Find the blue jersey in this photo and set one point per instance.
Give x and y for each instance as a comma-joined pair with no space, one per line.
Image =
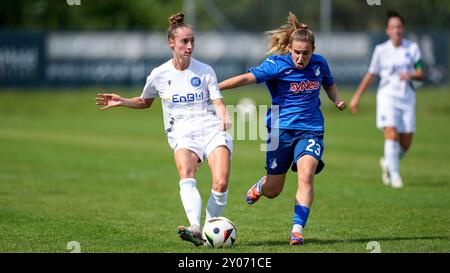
295,91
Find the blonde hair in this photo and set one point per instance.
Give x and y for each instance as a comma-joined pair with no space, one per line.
175,21
280,39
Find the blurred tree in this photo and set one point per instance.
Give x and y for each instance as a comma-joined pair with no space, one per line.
243,15
90,15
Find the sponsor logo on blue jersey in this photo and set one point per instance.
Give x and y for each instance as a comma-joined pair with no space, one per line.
304,86
196,82
189,97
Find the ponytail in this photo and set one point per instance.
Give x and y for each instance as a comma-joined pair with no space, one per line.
280,39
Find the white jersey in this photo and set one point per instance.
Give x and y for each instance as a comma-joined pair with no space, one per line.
186,95
389,61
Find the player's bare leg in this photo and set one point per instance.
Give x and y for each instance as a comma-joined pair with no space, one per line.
304,197
219,164
405,140
187,163
306,167
269,186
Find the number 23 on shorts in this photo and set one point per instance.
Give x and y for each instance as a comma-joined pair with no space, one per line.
315,147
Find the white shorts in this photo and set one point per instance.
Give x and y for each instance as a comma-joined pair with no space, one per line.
398,112
200,143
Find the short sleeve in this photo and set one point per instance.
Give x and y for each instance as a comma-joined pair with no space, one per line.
213,87
375,67
268,70
149,90
416,54
327,76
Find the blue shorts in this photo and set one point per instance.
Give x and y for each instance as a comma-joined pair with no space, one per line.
292,145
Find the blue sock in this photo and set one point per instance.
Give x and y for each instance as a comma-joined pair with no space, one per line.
301,214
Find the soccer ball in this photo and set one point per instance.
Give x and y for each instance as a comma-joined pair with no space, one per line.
219,232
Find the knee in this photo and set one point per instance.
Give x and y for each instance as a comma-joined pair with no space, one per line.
307,176
186,172
220,185
390,133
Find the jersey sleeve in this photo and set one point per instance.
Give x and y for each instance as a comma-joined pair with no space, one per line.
268,70
327,76
213,87
417,58
375,67
149,90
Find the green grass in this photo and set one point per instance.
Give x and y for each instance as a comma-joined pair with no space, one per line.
106,179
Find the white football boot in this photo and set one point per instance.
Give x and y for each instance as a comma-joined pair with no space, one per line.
397,182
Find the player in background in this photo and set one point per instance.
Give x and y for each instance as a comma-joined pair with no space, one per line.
397,62
293,75
195,120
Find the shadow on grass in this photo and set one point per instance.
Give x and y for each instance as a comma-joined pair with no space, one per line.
315,241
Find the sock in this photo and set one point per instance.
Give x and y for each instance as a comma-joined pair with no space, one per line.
391,157
297,228
216,204
192,202
301,214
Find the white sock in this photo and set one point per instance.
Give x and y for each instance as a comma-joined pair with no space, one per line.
391,157
216,204
192,202
297,228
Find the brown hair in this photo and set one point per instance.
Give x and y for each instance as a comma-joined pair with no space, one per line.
280,39
175,21
393,14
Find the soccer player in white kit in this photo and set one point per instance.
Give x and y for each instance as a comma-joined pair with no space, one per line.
397,62
195,121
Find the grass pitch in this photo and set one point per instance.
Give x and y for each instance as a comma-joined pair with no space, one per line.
106,179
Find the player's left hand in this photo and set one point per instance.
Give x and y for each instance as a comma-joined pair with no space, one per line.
340,105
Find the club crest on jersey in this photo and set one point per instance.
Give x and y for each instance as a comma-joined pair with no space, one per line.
317,71
304,86
196,82
408,56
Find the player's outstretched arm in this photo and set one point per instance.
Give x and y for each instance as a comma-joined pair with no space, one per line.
366,81
244,79
108,100
333,94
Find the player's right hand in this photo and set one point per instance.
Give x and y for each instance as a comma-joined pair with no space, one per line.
108,100
225,124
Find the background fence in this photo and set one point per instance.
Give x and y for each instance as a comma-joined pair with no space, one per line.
125,58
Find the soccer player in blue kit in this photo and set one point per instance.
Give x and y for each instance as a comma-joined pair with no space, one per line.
293,75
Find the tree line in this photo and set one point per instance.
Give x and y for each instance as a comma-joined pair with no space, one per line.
243,15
